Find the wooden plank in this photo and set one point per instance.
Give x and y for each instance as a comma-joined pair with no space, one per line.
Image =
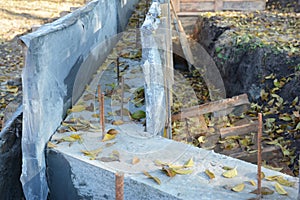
183,39
244,5
268,153
196,7
169,79
177,5
201,1
212,107
240,1
196,1
218,5
188,14
239,130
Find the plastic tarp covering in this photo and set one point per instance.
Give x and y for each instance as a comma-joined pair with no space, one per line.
54,54
153,70
39,105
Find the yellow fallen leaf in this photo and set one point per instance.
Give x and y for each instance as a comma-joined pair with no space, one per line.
252,182
264,95
175,166
264,164
238,187
117,122
281,180
112,131
201,139
285,182
51,145
76,136
183,171
227,168
93,153
264,191
135,160
77,108
262,175
280,189
189,163
108,137
160,163
95,115
152,177
272,178
295,101
67,139
12,89
71,138
210,174
230,173
271,76
115,153
169,171
72,129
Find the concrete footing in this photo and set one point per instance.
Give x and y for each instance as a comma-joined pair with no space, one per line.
72,175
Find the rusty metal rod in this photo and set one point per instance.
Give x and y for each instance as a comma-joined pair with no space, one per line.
99,101
122,96
102,115
119,186
118,70
259,134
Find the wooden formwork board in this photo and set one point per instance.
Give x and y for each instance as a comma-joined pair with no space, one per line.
185,6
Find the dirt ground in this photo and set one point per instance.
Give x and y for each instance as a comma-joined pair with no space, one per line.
17,17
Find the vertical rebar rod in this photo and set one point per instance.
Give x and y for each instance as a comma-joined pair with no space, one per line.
99,101
118,70
102,115
119,186
259,134
122,96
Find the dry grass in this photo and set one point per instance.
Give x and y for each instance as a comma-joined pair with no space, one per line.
18,16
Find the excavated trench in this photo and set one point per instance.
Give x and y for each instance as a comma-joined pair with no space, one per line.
271,80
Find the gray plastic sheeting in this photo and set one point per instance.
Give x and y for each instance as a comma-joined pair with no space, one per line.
153,70
54,55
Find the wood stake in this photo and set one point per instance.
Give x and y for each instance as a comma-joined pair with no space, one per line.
118,71
102,115
119,186
99,101
187,129
122,96
259,155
